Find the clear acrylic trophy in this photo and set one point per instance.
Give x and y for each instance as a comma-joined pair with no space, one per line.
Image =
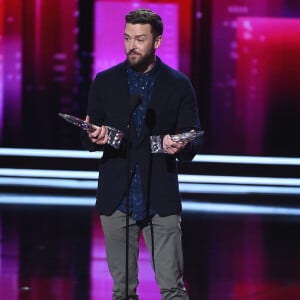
115,136
156,141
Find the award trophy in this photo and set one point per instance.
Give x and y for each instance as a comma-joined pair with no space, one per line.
185,137
115,136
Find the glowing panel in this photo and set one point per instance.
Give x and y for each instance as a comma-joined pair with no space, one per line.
268,90
10,67
1,68
109,32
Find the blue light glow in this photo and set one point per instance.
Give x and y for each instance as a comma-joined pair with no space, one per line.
236,189
183,187
182,177
48,173
188,206
226,208
233,159
49,183
239,180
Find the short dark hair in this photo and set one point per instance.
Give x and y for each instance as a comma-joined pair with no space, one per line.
146,16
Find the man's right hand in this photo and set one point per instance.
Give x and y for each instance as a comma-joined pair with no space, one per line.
100,135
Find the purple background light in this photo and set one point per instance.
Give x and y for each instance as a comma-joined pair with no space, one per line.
109,32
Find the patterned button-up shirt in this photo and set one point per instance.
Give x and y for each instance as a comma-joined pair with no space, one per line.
139,84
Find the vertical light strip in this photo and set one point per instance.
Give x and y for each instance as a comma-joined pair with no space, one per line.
37,37
1,67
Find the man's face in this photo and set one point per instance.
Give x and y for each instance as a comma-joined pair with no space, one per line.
140,44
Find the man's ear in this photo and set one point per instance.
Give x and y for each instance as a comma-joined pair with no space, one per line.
157,41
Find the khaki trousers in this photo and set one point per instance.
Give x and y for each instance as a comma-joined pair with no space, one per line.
163,240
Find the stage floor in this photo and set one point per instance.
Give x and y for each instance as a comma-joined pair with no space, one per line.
57,253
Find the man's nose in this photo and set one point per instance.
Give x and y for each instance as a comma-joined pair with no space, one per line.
132,44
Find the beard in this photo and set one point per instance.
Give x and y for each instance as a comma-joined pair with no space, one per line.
139,61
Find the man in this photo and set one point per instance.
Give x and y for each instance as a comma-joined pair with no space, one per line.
168,106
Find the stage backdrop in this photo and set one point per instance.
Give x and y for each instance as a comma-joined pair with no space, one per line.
242,57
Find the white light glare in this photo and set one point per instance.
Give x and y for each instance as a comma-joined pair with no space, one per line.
188,206
236,159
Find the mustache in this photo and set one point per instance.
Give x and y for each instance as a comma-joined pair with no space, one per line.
133,52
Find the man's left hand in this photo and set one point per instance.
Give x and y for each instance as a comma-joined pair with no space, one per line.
172,147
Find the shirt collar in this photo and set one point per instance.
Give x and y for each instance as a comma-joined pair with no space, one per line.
131,71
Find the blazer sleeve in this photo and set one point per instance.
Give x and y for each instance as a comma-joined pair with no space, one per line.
95,112
188,119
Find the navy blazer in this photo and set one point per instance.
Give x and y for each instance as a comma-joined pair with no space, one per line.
173,109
